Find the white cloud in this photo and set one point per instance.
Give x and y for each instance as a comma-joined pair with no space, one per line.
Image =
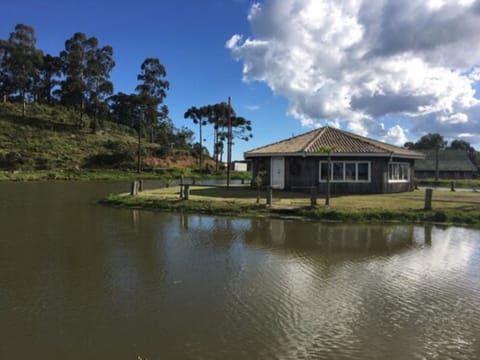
252,107
354,62
396,135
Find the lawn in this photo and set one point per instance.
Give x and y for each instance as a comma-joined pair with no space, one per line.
448,207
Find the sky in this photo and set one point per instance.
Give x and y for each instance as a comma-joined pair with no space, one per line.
387,69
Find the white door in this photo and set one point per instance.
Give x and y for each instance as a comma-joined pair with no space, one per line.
277,176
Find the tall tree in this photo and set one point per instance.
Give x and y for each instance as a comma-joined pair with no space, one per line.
86,70
123,108
74,59
466,146
152,91
20,63
428,142
48,79
198,116
99,66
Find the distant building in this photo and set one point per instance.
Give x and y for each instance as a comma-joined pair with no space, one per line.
452,164
359,165
239,166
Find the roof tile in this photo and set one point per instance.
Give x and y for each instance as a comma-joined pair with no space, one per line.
341,141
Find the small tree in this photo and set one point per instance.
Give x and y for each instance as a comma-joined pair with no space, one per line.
258,182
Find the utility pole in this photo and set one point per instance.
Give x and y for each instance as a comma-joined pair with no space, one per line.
229,142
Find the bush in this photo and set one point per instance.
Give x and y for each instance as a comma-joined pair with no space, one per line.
114,160
11,161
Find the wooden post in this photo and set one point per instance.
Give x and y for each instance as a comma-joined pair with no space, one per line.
313,197
186,192
269,196
134,188
140,185
428,199
452,186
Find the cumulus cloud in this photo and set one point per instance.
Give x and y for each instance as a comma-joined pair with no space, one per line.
396,135
355,62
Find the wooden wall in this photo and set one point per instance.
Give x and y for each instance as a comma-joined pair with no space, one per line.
302,173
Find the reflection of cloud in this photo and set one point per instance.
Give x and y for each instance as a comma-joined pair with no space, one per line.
448,252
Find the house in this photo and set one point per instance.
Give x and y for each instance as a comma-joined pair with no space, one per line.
358,165
452,164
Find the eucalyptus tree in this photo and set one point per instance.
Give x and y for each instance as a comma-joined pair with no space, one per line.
86,70
20,62
99,66
48,79
152,91
74,59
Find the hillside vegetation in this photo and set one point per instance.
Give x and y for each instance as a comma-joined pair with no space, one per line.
48,138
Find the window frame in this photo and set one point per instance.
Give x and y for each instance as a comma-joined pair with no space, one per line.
344,180
398,164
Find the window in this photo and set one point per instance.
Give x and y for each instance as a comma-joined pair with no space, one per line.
345,171
398,172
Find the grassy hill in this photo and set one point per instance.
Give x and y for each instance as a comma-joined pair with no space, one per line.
48,139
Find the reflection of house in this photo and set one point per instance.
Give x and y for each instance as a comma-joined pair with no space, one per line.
452,164
358,164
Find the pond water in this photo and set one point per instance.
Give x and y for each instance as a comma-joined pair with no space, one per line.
82,281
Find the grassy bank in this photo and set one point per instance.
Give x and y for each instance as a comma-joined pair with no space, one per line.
166,175
448,207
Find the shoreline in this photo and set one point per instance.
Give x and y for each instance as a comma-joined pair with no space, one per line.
167,175
362,209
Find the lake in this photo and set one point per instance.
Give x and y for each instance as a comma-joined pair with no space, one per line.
82,281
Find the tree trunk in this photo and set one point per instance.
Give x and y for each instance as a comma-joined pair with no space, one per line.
201,146
139,149
24,104
229,144
327,196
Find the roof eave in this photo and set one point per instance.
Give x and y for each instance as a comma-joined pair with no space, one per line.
306,154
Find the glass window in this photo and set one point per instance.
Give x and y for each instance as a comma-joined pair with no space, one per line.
337,171
350,171
363,171
323,171
398,172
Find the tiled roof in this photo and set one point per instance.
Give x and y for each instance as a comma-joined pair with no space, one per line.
340,141
448,160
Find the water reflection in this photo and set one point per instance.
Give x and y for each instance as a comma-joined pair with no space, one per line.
331,237
82,281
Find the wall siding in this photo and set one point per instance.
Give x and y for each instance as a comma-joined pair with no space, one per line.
302,173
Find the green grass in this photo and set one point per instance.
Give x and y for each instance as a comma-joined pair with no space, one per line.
448,207
47,144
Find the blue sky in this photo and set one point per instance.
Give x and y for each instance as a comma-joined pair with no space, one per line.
377,69
187,36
